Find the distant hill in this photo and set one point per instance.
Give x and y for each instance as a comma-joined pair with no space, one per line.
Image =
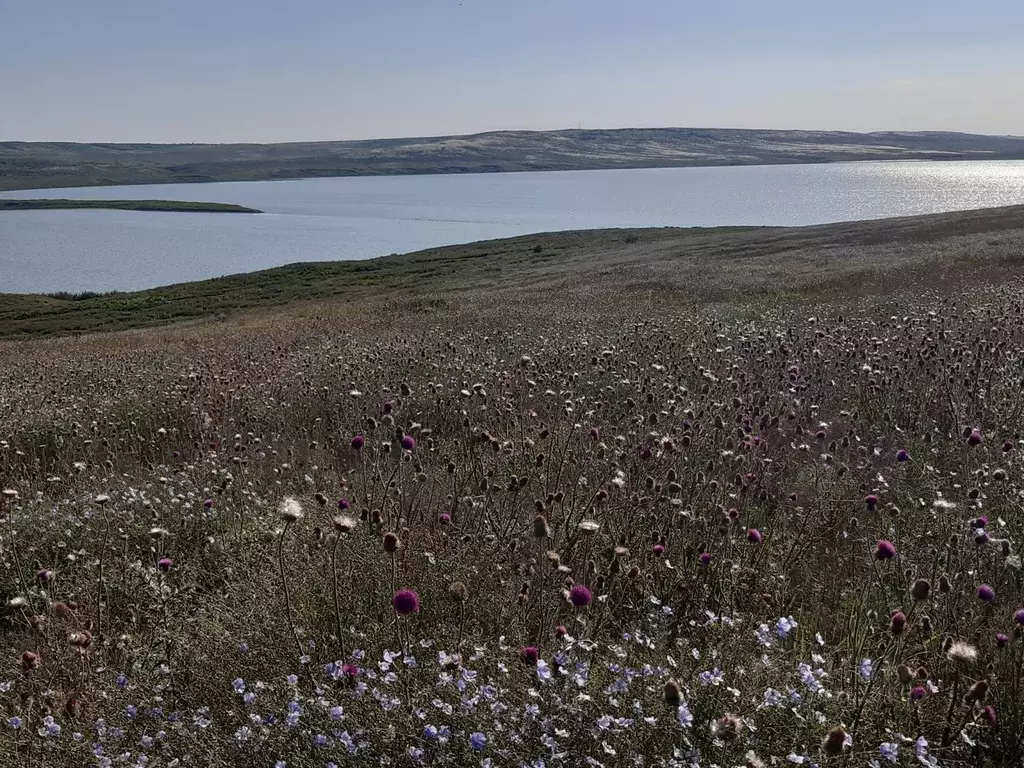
27,165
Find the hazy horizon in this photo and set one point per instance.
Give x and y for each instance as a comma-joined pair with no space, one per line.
116,71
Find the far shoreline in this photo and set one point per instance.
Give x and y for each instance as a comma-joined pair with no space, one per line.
762,163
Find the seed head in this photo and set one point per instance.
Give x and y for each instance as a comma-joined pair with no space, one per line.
81,640
29,660
672,694
977,692
344,523
541,530
727,727
458,591
392,543
962,653
921,589
834,741
290,510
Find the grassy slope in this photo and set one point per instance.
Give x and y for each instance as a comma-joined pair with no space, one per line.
683,265
36,165
175,206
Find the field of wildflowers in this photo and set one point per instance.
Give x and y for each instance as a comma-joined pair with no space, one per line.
587,532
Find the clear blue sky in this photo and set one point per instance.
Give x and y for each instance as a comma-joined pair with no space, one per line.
277,70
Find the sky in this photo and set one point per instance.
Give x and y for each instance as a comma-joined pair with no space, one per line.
304,70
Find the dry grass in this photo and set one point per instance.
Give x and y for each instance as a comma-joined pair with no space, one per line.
679,428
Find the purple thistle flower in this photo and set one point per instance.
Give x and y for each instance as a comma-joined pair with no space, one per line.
754,536
351,671
165,564
988,715
580,596
408,442
705,558
886,550
986,593
658,550
529,654
918,693
871,500
974,438
1002,640
897,622
405,602
1019,617
444,518
980,522
343,504
358,442
902,455
208,503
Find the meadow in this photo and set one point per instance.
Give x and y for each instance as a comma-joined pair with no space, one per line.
664,498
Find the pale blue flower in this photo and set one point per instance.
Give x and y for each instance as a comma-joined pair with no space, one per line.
866,669
785,625
683,715
890,751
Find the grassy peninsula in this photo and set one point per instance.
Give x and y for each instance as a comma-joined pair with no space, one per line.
172,206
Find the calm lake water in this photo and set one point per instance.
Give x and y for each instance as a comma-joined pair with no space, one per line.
356,218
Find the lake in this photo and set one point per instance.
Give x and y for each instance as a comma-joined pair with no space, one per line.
357,218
